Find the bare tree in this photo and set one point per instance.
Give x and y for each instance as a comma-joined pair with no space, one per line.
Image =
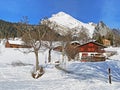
50,36
49,44
116,37
65,44
83,36
32,36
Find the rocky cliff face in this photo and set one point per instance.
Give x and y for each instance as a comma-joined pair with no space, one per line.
102,29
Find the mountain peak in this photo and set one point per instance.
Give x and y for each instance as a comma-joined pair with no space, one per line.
60,14
65,19
102,24
66,23
102,29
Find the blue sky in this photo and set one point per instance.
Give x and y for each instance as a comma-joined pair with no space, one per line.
107,11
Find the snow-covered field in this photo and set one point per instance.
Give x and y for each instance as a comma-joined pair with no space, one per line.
83,76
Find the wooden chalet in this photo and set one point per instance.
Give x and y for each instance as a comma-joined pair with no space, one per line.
91,51
91,47
13,45
106,42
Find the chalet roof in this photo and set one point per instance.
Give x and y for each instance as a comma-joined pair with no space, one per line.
93,43
75,43
15,41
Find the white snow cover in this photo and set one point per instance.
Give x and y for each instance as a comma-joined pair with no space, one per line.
16,67
65,20
15,41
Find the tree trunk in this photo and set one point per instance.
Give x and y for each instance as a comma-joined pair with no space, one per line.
49,57
37,60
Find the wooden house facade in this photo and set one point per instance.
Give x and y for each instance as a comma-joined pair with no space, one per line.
91,47
91,51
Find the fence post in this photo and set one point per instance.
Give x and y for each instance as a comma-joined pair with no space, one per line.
109,75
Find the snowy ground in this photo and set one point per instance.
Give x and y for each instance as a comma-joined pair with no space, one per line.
83,76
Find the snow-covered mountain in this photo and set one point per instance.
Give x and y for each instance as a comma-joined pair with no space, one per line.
63,23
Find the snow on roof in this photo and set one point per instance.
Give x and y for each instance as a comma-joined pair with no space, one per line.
15,41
